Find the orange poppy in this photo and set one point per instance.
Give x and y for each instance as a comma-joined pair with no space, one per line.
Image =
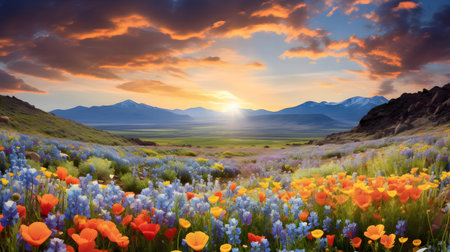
117,209
415,193
374,232
61,172
403,196
320,198
255,238
149,230
341,199
80,221
93,223
233,187
137,222
106,227
190,195
47,202
71,231
184,223
330,239
35,234
356,242
303,215
362,200
22,211
197,240
70,180
388,240
170,233
127,219
262,196
69,248
86,239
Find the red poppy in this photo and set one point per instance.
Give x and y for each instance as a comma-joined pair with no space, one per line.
170,233
190,195
303,215
262,197
356,242
127,219
72,180
233,187
1,227
149,230
330,239
219,194
320,198
22,211
255,238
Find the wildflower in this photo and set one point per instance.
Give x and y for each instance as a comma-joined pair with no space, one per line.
362,200
374,232
313,220
276,228
219,194
255,238
197,240
330,239
416,242
22,211
35,234
62,173
170,233
127,219
10,215
356,242
86,239
351,230
213,199
264,185
56,245
400,228
233,187
262,196
149,230
225,247
403,239
414,193
317,233
233,232
388,241
190,195
70,180
117,209
217,211
47,202
303,215
184,223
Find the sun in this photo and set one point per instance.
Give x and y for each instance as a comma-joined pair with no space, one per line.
232,108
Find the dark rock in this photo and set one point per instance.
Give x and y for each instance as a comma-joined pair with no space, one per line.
409,111
138,141
4,119
33,156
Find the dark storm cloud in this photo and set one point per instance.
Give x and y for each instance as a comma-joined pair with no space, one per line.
386,87
12,84
27,67
406,44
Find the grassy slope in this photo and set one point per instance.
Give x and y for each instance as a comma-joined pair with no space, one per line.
25,118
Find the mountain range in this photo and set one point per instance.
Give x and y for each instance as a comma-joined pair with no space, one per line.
349,111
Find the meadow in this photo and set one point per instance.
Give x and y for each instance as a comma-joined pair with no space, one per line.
379,195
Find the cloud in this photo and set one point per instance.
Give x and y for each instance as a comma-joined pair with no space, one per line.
159,88
406,5
256,65
386,87
11,84
27,67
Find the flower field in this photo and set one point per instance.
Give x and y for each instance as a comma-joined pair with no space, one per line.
389,194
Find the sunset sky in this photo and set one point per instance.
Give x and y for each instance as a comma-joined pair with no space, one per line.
258,54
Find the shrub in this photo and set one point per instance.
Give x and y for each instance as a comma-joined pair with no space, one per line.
190,153
102,167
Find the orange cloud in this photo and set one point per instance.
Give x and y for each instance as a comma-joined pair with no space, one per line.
12,84
256,65
406,5
120,26
277,10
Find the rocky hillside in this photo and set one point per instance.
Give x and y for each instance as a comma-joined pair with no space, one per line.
425,109
20,116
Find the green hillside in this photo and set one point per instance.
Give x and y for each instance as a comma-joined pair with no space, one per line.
25,118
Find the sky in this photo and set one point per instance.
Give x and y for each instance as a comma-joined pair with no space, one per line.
212,53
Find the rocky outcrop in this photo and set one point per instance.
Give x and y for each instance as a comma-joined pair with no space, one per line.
33,156
409,111
4,119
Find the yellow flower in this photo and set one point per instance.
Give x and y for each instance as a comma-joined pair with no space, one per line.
403,239
48,174
242,191
217,211
268,179
184,223
417,242
11,174
4,181
197,240
43,169
264,185
225,248
392,193
381,189
104,186
213,199
317,233
277,184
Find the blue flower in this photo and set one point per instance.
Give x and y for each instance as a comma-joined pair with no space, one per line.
10,215
56,245
276,228
233,232
400,228
351,230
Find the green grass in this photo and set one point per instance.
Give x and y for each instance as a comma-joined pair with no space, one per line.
237,142
25,118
